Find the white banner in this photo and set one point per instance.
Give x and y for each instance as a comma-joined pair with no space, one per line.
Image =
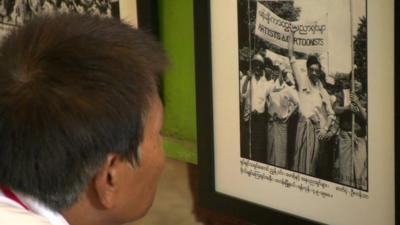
309,37
277,59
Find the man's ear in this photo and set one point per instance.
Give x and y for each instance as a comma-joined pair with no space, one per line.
106,181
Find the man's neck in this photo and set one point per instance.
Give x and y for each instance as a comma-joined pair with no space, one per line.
78,215
86,212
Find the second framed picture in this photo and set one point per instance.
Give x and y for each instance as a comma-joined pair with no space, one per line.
138,13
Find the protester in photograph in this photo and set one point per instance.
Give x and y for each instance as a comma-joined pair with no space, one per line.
316,114
281,105
80,121
276,72
255,89
351,162
244,111
269,69
6,10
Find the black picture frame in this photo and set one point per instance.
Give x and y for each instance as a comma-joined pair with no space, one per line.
147,13
208,196
397,111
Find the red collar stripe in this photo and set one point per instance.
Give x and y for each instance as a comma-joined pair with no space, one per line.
9,194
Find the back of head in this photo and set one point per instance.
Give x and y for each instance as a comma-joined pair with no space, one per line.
73,88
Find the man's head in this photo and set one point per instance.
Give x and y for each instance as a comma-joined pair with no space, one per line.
258,64
80,114
313,68
268,68
276,72
358,88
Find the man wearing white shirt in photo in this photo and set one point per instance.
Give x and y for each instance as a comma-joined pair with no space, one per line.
316,114
254,89
281,105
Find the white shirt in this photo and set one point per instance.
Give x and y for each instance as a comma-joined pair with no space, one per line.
259,91
12,213
245,98
283,102
314,100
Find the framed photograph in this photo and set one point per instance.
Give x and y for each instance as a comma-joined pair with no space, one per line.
295,125
139,13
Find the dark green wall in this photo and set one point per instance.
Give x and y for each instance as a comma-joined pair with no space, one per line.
177,35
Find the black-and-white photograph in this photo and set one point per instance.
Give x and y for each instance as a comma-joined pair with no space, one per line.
15,12
303,87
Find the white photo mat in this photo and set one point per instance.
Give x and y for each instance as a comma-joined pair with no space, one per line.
378,204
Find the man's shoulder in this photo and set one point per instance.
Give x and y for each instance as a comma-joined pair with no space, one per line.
11,215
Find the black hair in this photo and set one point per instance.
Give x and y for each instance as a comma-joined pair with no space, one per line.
276,68
73,88
311,60
268,63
